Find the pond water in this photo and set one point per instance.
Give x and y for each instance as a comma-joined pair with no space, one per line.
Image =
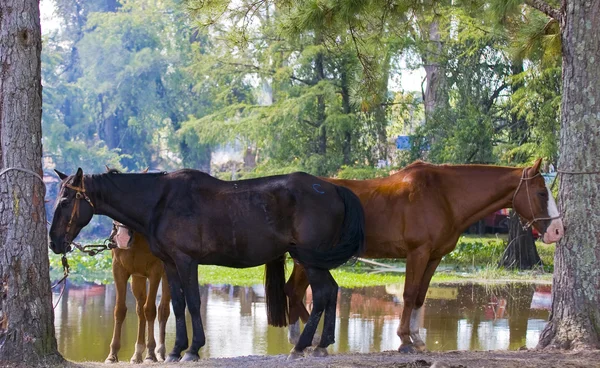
456,317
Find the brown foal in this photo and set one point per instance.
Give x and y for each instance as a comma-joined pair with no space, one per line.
132,258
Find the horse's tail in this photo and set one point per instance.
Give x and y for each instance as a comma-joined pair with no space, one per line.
277,305
351,242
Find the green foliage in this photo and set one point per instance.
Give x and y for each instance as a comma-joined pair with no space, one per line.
479,252
361,173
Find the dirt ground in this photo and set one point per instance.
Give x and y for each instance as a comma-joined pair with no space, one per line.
392,359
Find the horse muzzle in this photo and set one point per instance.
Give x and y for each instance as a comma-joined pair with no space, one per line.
554,232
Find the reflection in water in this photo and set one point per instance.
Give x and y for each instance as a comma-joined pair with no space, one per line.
457,317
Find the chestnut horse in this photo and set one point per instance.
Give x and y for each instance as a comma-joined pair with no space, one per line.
132,258
191,218
420,212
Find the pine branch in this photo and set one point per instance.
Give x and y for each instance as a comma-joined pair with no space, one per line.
545,8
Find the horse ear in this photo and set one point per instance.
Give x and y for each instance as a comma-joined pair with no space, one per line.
78,175
145,170
61,175
107,168
536,166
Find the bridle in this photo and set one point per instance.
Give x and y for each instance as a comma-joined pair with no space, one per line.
80,194
526,180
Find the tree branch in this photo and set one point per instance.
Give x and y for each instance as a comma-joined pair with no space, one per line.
545,8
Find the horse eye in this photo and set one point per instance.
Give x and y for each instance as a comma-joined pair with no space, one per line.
543,194
63,203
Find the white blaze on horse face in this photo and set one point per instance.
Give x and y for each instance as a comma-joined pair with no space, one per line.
122,238
555,231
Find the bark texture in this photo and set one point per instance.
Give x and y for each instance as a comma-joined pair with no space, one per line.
575,318
27,320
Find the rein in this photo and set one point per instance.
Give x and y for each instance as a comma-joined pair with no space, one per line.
526,180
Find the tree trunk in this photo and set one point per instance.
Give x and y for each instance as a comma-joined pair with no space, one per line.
520,253
435,85
27,320
575,318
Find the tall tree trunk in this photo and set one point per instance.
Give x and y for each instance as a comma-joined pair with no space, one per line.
575,318
346,109
520,253
27,320
435,95
322,134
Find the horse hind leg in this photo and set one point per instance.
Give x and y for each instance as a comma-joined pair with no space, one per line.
120,276
164,309
138,288
323,290
328,334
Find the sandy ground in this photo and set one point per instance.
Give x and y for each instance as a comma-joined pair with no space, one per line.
392,359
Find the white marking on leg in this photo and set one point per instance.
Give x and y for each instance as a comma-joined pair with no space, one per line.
415,324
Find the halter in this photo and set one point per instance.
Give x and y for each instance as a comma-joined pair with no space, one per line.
526,180
80,194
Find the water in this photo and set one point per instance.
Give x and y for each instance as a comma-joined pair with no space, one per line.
456,317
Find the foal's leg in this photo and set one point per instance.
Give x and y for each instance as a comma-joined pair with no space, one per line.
178,301
164,309
188,272
324,294
415,318
295,289
120,276
138,288
416,262
150,313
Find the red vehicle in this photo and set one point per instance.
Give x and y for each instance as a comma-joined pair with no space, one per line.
496,222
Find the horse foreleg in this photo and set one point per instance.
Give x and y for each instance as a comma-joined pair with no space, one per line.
150,313
138,288
188,272
415,318
164,309
323,290
178,301
295,289
120,276
416,262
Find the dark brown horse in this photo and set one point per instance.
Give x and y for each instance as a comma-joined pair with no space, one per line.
132,259
420,212
191,218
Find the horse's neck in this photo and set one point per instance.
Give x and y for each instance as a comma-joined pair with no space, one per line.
130,205
477,191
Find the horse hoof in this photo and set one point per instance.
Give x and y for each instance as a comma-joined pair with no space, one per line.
172,359
421,347
111,359
150,359
190,357
135,360
295,354
319,352
407,349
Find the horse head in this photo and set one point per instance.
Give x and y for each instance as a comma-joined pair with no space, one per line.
121,236
72,211
534,203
